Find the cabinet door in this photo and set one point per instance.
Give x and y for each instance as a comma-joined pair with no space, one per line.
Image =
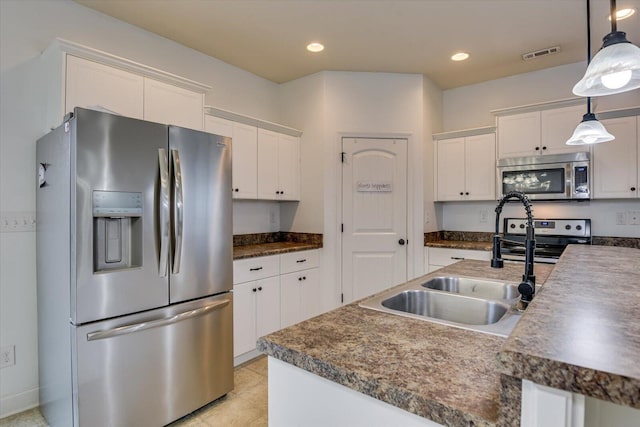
310,299
90,84
244,318
519,135
267,165
289,167
291,296
450,169
267,307
480,167
218,126
558,126
615,163
165,103
245,161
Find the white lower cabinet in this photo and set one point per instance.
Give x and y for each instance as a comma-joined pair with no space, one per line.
436,258
271,293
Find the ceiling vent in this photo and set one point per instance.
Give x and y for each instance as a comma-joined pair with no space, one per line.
542,52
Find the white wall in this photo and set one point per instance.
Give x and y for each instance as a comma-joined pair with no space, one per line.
469,107
26,29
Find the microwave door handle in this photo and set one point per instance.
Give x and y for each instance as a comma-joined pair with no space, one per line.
178,207
163,211
138,327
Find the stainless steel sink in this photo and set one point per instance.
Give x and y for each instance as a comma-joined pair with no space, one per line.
453,308
481,305
474,287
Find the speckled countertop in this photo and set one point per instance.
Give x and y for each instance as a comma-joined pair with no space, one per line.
582,333
460,244
275,248
445,374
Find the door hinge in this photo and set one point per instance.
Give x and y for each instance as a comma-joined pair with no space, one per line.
343,156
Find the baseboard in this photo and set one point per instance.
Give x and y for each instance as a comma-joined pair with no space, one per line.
16,403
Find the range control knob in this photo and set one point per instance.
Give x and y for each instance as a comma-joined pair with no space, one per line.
578,227
567,227
513,226
521,225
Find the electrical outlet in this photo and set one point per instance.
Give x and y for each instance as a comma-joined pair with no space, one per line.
634,217
621,218
484,216
7,356
427,218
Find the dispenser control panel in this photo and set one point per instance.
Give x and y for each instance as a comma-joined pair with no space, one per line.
117,204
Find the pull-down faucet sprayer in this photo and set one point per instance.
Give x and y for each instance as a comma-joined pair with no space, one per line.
527,287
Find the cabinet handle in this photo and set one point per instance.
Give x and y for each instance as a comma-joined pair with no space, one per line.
301,260
255,269
456,257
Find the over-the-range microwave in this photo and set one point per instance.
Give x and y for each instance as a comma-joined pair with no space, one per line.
546,177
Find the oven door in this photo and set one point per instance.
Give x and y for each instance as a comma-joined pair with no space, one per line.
551,181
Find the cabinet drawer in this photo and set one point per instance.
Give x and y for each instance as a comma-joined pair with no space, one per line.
445,256
296,261
248,269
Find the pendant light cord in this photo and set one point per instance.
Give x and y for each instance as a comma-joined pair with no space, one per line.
589,45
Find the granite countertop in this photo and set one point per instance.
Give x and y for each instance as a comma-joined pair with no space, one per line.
274,248
460,244
445,374
582,333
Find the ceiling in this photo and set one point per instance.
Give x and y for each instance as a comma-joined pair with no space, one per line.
268,37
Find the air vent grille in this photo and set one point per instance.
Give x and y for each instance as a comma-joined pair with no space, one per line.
542,52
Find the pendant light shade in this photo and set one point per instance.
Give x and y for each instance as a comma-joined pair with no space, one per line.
590,131
614,69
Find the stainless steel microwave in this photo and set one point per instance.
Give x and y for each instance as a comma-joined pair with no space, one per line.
547,177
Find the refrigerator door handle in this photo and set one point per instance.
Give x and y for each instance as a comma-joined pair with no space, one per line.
163,211
138,327
178,206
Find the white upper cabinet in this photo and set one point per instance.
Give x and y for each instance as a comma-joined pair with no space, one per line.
278,166
539,132
165,103
91,84
616,164
466,168
244,156
79,76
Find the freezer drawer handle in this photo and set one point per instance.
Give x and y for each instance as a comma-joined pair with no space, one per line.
163,211
178,210
138,327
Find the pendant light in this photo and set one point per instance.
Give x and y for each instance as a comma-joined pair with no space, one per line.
590,130
615,68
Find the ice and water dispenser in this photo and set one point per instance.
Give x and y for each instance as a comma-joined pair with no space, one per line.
117,230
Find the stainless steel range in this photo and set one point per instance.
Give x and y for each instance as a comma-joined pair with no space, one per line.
552,237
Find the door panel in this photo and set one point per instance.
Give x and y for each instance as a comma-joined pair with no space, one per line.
115,154
150,369
374,202
202,258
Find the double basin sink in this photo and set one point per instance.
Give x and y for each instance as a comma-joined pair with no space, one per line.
469,303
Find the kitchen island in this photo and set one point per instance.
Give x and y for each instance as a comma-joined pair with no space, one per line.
453,376
445,374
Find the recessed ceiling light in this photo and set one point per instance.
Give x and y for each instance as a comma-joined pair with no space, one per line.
623,14
460,56
315,47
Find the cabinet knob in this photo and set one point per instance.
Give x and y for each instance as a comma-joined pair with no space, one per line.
466,193
260,288
544,147
537,148
304,277
401,242
236,190
254,290
461,193
633,188
299,278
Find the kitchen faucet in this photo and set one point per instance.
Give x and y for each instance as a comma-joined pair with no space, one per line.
527,287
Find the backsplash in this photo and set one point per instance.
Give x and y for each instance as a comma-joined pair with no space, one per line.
278,236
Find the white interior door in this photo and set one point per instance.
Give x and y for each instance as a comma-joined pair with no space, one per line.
374,215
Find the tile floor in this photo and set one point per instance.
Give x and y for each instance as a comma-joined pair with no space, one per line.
246,405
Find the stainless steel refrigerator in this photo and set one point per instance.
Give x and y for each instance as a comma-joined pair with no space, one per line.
134,264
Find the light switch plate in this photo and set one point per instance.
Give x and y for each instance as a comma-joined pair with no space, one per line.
634,217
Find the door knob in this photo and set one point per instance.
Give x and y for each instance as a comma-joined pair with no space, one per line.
401,242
